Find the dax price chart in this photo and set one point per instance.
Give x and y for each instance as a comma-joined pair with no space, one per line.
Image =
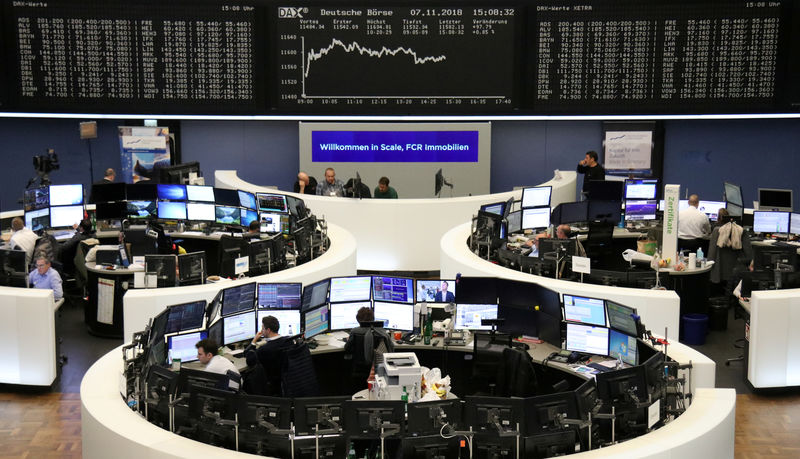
370,59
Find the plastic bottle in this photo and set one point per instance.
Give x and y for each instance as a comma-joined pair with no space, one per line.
428,329
700,253
404,398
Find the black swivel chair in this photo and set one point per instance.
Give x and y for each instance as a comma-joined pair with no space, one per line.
517,376
599,242
365,343
487,360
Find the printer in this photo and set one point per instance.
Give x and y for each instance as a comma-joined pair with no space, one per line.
399,370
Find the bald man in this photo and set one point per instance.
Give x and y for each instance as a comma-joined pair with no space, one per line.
693,226
305,184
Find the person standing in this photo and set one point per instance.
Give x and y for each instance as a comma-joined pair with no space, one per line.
591,169
693,225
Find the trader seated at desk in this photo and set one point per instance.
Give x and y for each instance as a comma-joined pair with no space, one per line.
23,238
208,355
45,277
70,248
693,226
365,347
305,184
253,231
331,186
562,232
268,355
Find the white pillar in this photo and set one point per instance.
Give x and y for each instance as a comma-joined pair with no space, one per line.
669,238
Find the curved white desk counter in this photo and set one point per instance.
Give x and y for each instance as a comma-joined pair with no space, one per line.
659,309
400,234
140,305
774,354
28,336
706,429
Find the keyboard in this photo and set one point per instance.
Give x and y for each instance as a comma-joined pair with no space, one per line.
598,367
63,235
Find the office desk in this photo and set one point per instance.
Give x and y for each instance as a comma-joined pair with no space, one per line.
120,280
400,234
706,428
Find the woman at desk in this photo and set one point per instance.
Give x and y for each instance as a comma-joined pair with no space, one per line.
730,250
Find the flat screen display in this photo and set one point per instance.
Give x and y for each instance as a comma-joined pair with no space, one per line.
771,222
239,327
604,211
172,192
497,208
108,192
280,295
200,193
641,188
733,194
38,219
316,321
574,212
226,197
535,218
36,198
288,319
343,315
315,295
620,318
186,316
396,289
65,216
200,212
514,220
270,222
794,224
182,346
584,310
640,210
239,298
247,200
66,195
141,209
436,291
227,215
269,202
247,216
538,196
710,208
774,199
469,316
623,347
395,316
171,210
587,339
349,289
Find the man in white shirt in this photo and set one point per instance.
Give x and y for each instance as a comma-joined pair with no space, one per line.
23,238
207,350
692,225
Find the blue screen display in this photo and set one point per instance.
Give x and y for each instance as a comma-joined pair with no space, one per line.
247,200
248,216
66,195
172,210
172,192
394,146
228,215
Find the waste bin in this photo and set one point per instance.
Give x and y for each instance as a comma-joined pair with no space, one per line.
718,313
694,328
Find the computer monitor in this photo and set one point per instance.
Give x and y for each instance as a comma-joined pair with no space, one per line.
623,347
775,199
200,193
544,413
141,191
66,195
622,318
247,216
733,194
395,316
36,198
161,384
316,321
640,210
38,219
497,208
395,289
185,316
181,346
258,252
247,200
535,218
111,210
271,202
286,295
107,192
315,295
771,222
226,197
767,258
254,410
584,310
519,320
514,222
322,412
239,327
297,207
239,299
587,339
734,210
140,210
641,189
431,290
228,215
605,190
356,288
171,192
271,222
189,379
171,210
538,196
164,267
65,216
12,261
200,212
360,416
573,212
486,414
192,268
794,224
158,327
343,315
215,331
619,386
710,208
469,316
427,418
179,173
604,211
289,320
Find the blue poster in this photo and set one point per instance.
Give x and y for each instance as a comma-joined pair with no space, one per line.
394,146
143,151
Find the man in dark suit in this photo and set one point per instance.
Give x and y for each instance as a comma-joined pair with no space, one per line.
305,184
269,355
443,296
109,177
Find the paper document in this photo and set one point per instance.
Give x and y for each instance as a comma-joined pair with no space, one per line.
105,301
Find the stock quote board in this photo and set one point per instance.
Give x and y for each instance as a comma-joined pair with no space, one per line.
525,57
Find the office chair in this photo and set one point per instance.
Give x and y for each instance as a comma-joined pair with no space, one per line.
298,378
487,360
599,241
517,375
367,345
